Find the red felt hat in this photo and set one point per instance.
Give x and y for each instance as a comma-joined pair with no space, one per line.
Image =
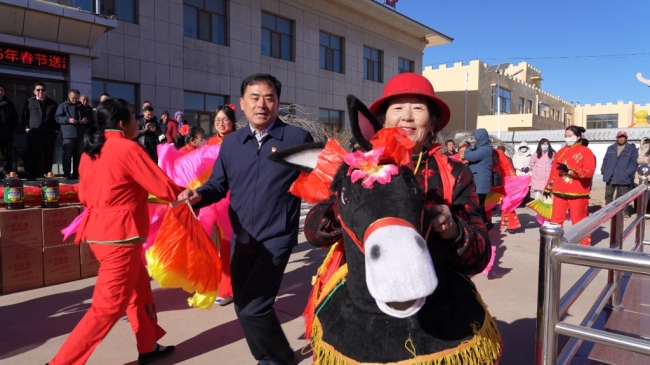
413,84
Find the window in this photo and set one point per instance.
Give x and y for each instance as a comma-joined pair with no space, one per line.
544,110
115,90
404,66
123,10
331,119
602,121
529,106
205,20
505,100
568,119
372,64
277,37
331,52
200,108
521,105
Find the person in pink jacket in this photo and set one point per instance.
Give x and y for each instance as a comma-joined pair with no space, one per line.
540,163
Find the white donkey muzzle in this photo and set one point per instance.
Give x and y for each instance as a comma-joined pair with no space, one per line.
399,270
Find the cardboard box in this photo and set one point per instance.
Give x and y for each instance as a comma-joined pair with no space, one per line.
53,221
20,229
21,270
61,264
89,264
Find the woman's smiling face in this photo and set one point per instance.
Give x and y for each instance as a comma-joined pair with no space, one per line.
411,115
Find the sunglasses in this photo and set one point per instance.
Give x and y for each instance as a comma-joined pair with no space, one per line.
39,90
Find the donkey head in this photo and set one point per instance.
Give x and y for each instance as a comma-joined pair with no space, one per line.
380,206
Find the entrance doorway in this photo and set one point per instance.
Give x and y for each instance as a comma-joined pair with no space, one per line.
18,90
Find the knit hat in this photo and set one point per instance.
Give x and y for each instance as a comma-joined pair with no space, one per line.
165,112
177,114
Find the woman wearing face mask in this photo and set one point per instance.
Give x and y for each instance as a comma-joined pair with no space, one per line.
540,164
570,179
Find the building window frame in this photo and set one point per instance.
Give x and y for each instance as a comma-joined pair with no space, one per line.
404,65
529,106
331,119
599,121
522,101
506,96
373,64
544,110
206,20
201,112
330,52
100,86
277,37
129,16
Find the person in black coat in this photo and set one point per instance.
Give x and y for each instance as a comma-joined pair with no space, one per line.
71,115
149,135
41,128
8,123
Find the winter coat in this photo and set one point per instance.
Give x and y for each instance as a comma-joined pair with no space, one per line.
541,170
619,170
573,181
479,159
148,139
37,119
172,130
65,112
521,161
8,120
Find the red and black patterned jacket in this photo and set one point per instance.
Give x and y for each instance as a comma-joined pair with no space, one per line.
468,254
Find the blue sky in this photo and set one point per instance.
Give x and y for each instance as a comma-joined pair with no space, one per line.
511,30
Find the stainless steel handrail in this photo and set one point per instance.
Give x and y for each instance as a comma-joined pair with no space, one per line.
558,247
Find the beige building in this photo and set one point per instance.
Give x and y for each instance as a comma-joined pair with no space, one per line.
611,115
192,55
471,91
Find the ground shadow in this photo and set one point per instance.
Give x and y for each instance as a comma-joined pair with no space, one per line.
518,341
29,324
496,239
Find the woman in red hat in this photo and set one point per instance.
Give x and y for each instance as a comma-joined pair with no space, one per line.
458,238
570,181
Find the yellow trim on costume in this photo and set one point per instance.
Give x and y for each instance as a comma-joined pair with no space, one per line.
484,348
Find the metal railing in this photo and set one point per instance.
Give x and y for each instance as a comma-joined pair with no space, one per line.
558,247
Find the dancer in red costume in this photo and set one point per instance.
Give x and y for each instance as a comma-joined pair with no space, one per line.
116,176
570,180
509,219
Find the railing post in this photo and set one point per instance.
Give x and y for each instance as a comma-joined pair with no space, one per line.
548,295
641,204
616,243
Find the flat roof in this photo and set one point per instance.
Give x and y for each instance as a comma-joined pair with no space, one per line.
400,21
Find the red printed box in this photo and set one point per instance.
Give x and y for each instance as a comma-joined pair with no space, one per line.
20,229
21,270
61,264
54,220
89,264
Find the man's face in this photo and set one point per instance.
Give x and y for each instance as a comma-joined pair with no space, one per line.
74,98
40,92
84,100
621,140
164,117
451,146
260,104
147,114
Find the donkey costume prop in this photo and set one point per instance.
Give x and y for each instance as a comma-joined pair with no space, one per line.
380,297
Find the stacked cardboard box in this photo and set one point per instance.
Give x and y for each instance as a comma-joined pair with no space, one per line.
61,261
21,249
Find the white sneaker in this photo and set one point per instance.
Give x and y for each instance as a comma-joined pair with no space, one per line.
223,301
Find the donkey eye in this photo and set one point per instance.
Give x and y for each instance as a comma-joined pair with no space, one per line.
344,198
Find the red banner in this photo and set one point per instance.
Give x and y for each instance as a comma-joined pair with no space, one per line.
20,56
391,3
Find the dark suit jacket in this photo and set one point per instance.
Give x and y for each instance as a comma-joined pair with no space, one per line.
33,117
262,211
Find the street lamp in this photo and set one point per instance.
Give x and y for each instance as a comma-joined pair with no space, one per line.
498,69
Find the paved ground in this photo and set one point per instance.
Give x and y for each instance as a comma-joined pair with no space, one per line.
33,324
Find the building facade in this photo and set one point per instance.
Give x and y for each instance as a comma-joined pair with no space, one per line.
191,55
612,115
472,91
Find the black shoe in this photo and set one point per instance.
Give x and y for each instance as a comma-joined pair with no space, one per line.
155,355
511,231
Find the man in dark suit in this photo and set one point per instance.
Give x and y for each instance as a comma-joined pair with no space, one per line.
72,117
263,214
41,128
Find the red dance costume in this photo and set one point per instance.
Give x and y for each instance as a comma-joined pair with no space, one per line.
114,189
503,165
571,188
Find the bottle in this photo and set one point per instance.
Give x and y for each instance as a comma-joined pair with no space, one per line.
14,192
50,195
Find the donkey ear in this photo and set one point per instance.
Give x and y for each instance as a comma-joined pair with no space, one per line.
363,124
302,157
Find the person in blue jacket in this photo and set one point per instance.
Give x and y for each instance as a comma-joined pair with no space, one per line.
619,166
72,117
479,158
264,215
